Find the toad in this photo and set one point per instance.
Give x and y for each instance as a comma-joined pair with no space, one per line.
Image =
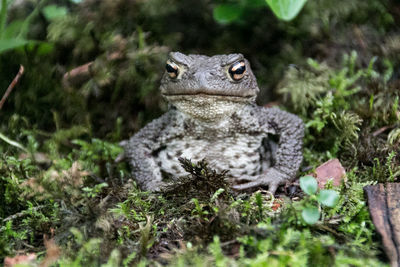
213,116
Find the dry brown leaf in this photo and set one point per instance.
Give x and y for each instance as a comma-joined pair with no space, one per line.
53,252
331,169
19,259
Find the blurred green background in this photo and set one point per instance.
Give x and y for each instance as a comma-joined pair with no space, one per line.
128,42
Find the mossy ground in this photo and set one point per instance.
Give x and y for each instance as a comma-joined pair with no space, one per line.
336,66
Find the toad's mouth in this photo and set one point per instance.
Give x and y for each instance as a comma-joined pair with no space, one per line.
207,107
207,95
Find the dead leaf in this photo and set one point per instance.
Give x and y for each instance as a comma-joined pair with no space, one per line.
20,259
331,169
52,252
276,205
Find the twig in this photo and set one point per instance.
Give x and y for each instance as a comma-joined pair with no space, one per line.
28,246
22,213
381,130
11,86
77,76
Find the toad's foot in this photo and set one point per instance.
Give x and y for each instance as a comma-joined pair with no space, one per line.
272,178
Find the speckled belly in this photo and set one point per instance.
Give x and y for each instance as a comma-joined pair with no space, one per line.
241,155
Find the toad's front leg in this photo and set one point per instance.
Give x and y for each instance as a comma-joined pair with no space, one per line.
290,130
140,150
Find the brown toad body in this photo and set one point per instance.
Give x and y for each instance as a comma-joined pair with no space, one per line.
213,115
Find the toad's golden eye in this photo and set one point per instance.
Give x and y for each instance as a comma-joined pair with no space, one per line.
237,70
172,69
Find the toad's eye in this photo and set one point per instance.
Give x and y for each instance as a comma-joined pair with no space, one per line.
237,70
172,69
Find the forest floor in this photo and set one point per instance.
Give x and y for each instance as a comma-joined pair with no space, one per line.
91,79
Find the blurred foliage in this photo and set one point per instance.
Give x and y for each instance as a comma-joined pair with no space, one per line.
91,80
233,11
123,40
13,35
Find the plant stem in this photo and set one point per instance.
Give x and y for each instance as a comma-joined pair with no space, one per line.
3,17
25,25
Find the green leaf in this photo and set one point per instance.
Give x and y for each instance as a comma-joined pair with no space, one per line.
52,12
308,184
310,215
9,44
216,194
328,197
227,13
11,142
286,9
12,30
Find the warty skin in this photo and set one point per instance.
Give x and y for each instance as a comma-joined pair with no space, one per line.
213,115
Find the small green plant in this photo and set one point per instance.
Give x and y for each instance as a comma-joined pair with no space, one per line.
198,210
325,197
386,171
92,192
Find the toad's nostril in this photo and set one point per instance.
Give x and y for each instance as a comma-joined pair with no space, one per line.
209,76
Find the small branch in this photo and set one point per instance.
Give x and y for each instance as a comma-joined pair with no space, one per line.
22,213
11,86
77,76
381,130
